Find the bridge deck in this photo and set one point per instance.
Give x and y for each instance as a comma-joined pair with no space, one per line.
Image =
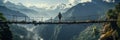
70,22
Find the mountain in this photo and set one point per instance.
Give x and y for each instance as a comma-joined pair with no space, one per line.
33,10
1,2
50,11
90,33
111,30
21,33
21,8
8,12
18,32
83,11
5,33
42,12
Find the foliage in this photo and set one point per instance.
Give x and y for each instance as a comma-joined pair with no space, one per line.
2,17
114,14
118,21
5,33
114,32
117,7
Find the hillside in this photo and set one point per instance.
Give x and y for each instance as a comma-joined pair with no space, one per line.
5,33
8,12
21,8
111,30
83,11
69,32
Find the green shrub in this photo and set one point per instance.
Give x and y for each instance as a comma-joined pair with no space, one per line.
2,17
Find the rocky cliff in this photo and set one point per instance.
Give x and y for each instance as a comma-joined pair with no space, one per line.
111,30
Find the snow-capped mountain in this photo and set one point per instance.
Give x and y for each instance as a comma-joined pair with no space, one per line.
57,31
8,12
19,32
34,11
96,9
50,11
21,8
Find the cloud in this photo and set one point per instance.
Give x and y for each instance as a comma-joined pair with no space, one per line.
28,3
70,4
109,0
72,1
5,1
42,5
45,6
48,6
82,1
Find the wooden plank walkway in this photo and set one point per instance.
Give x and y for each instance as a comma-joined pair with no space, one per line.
70,22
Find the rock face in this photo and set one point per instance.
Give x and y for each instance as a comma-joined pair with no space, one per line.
69,32
111,30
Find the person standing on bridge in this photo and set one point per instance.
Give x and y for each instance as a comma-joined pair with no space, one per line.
60,16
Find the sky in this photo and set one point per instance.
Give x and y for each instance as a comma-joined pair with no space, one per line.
40,2
45,3
48,3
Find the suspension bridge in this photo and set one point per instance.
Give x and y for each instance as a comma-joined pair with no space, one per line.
16,19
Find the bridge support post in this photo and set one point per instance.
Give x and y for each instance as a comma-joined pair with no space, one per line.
51,19
25,18
41,19
14,18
